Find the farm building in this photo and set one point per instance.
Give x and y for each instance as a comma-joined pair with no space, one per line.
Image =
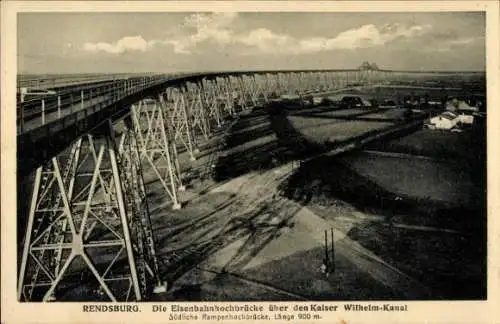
463,110
466,117
446,120
459,105
464,106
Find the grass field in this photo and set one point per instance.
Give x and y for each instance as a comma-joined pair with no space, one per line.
416,178
397,93
380,93
389,114
328,130
435,143
448,172
342,113
354,92
424,217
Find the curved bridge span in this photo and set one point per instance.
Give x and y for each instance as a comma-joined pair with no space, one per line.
89,146
48,124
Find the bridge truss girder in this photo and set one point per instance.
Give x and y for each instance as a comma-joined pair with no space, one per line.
156,145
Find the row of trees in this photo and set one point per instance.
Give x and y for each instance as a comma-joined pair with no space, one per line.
368,66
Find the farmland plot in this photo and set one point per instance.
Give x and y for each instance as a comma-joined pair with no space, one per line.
417,178
319,130
342,113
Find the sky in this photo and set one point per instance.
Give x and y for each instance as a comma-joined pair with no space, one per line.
178,42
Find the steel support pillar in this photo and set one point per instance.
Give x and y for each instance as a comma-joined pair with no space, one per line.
226,93
179,118
238,92
157,147
194,96
81,240
210,100
139,216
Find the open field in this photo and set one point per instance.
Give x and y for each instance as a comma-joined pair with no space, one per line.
430,228
438,144
277,133
328,131
434,94
353,92
341,113
389,114
421,179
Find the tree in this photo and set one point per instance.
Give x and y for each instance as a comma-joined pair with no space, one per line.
367,66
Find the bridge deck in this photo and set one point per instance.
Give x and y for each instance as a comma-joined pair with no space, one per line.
53,116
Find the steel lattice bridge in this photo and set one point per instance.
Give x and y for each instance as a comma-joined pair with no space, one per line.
88,146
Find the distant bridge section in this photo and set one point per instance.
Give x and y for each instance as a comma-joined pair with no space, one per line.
196,99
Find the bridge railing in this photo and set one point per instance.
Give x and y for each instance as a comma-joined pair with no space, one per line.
51,83
63,93
61,81
78,103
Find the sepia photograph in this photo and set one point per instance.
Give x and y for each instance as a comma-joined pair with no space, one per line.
250,156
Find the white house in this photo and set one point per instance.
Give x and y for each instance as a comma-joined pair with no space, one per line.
463,106
459,105
466,118
463,110
446,120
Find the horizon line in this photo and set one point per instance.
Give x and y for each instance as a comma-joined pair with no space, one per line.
259,70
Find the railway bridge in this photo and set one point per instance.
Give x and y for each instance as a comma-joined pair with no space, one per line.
88,146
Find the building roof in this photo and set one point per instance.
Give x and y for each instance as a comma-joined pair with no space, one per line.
448,115
462,105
